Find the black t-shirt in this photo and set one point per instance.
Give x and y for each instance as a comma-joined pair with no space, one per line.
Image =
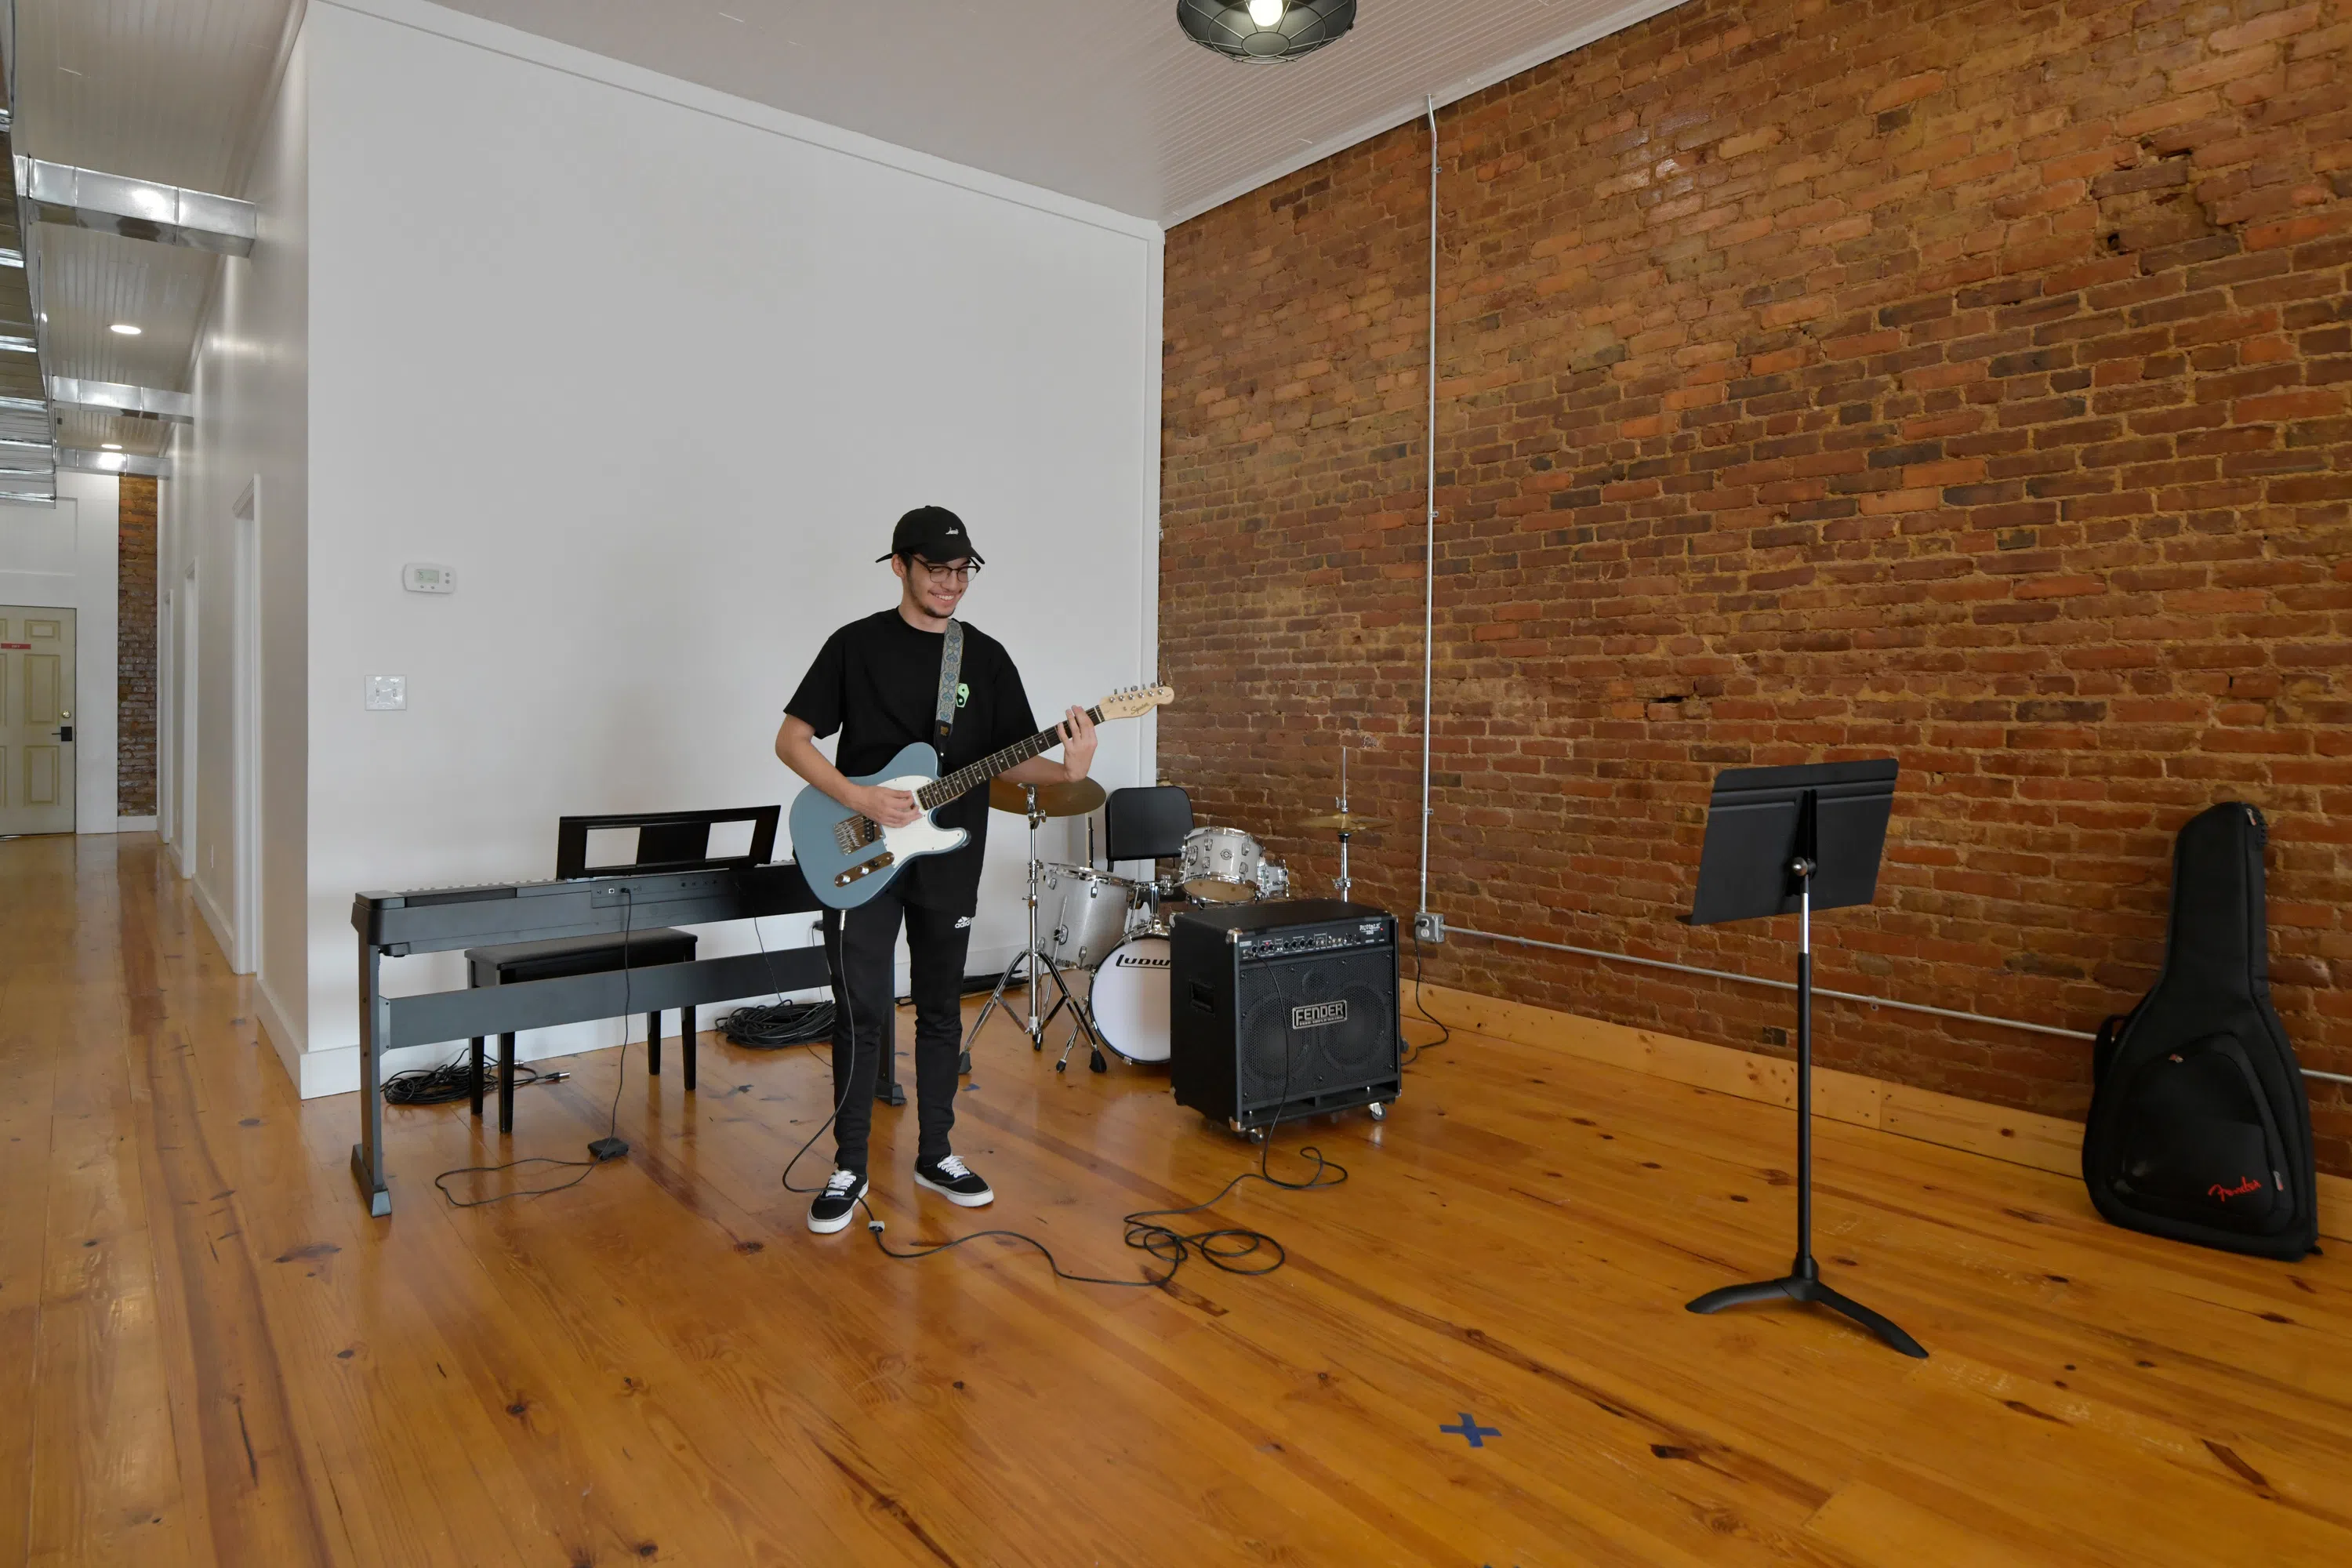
878,681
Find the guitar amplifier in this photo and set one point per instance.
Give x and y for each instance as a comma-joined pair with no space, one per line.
1284,1009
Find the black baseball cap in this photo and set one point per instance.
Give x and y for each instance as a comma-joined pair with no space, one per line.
935,533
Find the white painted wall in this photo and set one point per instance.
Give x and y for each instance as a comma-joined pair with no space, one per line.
252,407
654,370
68,555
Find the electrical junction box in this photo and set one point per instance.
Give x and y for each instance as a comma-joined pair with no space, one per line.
423,578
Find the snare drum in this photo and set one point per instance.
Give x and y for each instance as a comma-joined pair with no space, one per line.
1220,865
1090,911
1129,999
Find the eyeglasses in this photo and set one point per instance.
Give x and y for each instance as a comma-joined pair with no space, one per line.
962,572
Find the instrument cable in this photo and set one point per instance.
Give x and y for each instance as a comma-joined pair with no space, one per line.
612,1122
452,1080
1226,1247
777,1025
1444,1032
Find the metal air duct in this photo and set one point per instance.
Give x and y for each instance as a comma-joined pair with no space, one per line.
136,209
124,402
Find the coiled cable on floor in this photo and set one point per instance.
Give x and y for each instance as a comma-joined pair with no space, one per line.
775,1025
452,1080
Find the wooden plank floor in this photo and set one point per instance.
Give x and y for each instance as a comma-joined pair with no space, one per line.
209,1355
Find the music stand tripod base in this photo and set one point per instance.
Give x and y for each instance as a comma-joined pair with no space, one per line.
1805,1285
1778,841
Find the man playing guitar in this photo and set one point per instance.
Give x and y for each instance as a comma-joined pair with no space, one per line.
878,681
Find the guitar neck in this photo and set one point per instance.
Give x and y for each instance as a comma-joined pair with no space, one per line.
973,775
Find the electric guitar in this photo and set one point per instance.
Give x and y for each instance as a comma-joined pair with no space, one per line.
848,857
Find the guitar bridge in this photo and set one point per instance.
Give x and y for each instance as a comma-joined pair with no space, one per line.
860,872
854,833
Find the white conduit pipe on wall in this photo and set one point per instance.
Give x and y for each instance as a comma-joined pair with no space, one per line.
1429,716
1428,573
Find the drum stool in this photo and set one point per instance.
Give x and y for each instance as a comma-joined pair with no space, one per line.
1146,824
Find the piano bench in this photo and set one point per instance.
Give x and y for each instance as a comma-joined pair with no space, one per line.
560,958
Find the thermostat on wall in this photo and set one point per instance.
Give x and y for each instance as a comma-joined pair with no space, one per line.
423,578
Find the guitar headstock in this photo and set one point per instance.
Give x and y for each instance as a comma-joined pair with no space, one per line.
1135,702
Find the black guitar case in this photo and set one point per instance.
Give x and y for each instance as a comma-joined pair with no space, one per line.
2200,1128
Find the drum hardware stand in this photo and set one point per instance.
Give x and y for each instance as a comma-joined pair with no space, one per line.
1035,957
1081,1018
1037,1026
1345,881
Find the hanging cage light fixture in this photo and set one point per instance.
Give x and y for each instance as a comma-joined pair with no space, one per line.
1264,32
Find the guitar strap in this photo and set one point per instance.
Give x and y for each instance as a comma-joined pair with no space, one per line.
950,673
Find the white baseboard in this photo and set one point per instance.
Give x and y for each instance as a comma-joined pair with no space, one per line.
282,1035
223,930
134,825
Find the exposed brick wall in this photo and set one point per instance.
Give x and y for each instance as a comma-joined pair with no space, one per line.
1962,382
134,690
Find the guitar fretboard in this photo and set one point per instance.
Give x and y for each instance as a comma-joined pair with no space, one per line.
973,775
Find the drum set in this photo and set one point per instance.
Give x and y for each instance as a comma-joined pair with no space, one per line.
1110,932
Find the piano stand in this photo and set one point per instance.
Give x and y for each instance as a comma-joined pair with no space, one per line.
643,902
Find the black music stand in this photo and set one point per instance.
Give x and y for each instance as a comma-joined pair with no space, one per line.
1788,841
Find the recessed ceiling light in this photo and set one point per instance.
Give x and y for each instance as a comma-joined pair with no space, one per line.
109,446
125,328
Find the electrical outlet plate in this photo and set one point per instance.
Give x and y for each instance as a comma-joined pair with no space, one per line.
1429,926
386,693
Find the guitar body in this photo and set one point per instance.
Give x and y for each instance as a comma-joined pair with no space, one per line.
847,858
844,871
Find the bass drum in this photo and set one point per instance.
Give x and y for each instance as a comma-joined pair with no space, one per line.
1129,1001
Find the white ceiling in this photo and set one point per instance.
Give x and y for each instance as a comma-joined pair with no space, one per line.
1102,100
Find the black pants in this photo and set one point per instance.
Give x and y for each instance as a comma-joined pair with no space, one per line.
861,943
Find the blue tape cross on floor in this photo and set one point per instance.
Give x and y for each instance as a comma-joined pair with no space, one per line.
1472,1430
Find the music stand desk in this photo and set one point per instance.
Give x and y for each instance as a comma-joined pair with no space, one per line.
1787,841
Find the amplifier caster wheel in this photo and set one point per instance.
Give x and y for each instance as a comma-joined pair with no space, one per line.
1379,1112
1257,1134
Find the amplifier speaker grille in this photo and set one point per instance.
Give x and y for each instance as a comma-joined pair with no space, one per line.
1322,1056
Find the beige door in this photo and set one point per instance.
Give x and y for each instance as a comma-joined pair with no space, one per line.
37,720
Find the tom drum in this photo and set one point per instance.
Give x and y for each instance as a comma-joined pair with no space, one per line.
1090,912
1220,865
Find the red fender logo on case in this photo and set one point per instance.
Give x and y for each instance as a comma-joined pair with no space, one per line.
2245,1185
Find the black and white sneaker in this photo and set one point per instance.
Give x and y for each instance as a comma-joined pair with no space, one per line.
832,1207
954,1181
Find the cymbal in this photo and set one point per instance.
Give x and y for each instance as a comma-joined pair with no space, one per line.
1052,800
1342,822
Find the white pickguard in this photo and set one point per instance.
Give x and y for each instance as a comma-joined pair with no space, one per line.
922,836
